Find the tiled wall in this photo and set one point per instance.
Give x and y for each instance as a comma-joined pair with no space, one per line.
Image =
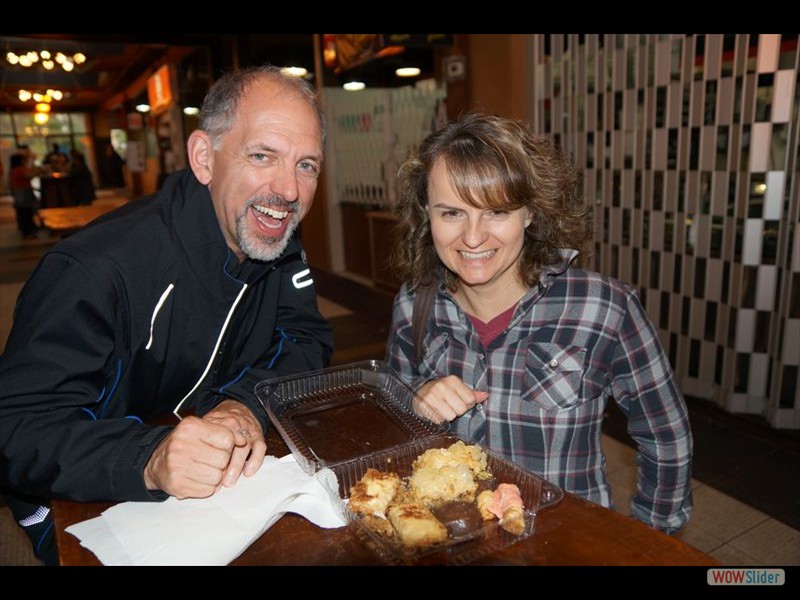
690,150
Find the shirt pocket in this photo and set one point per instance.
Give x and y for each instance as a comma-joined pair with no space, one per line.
554,376
436,352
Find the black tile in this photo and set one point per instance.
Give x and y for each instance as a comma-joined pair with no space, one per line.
722,451
739,455
767,483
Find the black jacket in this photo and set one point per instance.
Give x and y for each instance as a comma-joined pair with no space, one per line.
122,321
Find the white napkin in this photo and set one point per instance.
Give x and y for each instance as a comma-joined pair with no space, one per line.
214,530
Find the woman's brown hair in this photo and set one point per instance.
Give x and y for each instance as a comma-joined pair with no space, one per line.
492,163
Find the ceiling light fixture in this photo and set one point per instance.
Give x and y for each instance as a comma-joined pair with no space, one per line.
191,111
143,108
408,72
45,96
354,86
47,62
294,71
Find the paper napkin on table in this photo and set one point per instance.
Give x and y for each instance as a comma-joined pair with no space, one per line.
214,530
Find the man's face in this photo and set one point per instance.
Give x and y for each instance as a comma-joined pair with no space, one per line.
265,169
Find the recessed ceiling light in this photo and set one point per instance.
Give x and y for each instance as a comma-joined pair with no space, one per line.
407,72
191,110
143,108
354,86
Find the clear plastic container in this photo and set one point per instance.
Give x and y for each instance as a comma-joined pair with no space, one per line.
328,416
327,419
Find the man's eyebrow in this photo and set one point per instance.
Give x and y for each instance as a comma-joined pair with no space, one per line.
260,147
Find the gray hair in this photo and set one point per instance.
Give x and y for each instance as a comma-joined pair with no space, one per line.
222,101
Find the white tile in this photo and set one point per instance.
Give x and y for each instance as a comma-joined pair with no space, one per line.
760,145
618,455
772,542
791,351
773,197
15,547
782,96
768,48
765,287
731,557
622,490
757,380
722,516
753,230
694,535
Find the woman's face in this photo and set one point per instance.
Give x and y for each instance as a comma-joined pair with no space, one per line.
480,245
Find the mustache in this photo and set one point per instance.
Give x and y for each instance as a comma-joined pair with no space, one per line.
275,202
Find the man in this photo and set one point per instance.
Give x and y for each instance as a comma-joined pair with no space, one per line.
179,302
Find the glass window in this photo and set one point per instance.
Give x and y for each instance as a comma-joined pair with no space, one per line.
694,358
80,122
722,148
717,229
711,103
764,96
5,124
663,318
758,188
742,372
655,269
699,278
788,51
711,321
675,66
728,49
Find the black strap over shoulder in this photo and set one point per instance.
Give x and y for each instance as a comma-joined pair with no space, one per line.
423,304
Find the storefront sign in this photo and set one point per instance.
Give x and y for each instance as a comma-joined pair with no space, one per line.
159,90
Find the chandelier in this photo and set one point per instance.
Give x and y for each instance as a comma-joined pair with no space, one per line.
43,101
45,59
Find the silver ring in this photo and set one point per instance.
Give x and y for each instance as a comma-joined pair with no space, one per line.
245,433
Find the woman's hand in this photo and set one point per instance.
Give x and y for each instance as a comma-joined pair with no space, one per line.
447,398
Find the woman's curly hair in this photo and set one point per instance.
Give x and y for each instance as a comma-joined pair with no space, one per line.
493,163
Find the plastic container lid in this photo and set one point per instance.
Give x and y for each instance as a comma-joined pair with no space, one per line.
327,417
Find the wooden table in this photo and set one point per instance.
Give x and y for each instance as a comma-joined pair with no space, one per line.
71,218
574,532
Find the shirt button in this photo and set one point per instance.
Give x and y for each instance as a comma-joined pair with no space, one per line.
554,363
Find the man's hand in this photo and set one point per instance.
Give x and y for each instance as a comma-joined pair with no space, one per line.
199,456
191,461
248,439
449,397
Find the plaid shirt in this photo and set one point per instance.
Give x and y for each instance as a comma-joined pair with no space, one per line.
574,340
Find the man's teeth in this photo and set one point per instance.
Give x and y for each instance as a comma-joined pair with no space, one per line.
476,255
271,212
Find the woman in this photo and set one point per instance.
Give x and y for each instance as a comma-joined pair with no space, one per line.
522,347
24,200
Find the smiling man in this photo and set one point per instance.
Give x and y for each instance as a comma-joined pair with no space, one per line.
177,303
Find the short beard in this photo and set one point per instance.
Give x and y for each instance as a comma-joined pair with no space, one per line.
265,248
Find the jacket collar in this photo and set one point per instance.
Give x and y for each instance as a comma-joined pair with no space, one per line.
198,229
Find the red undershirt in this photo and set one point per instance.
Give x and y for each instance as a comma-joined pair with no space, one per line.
489,331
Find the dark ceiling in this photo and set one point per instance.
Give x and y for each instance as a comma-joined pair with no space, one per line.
115,61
